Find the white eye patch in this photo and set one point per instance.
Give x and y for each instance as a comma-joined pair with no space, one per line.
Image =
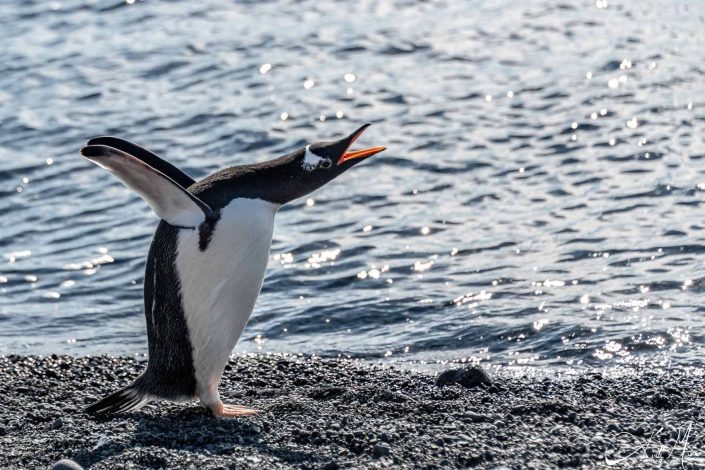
312,161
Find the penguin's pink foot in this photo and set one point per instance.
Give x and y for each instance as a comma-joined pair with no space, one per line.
231,411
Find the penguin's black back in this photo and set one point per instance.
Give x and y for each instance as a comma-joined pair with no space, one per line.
170,372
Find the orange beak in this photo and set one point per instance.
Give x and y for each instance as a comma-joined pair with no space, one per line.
359,153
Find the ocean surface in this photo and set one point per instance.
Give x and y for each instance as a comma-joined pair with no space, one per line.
541,201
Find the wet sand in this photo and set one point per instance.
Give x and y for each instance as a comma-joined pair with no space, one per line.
346,414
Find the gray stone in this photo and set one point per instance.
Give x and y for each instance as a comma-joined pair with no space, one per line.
380,450
470,376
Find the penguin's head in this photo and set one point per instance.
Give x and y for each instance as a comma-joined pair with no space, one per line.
318,163
334,157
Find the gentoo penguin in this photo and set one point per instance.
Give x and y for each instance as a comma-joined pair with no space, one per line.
207,259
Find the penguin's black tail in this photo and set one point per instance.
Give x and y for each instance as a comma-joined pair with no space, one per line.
129,398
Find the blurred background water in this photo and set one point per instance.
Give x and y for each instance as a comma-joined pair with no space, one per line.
540,201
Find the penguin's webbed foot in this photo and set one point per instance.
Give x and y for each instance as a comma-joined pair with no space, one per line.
231,411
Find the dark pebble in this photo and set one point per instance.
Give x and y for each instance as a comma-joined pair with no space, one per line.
470,376
475,417
331,466
380,450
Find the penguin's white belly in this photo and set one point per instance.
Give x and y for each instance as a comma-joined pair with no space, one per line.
219,286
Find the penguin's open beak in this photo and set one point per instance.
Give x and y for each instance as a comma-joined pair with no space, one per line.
347,156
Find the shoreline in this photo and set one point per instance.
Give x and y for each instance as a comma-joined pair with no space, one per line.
325,413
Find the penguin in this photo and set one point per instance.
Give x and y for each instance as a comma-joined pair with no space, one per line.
207,259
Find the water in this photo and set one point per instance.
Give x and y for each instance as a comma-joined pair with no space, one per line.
540,201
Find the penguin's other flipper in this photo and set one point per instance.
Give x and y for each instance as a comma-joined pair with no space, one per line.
168,199
122,401
146,156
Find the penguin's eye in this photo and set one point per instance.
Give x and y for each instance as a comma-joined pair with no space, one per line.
325,163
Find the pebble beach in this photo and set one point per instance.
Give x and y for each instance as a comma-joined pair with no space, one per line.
329,414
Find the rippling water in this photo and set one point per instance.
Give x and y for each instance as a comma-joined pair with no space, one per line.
540,201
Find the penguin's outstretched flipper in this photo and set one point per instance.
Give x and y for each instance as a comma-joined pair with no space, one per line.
122,401
146,156
169,200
